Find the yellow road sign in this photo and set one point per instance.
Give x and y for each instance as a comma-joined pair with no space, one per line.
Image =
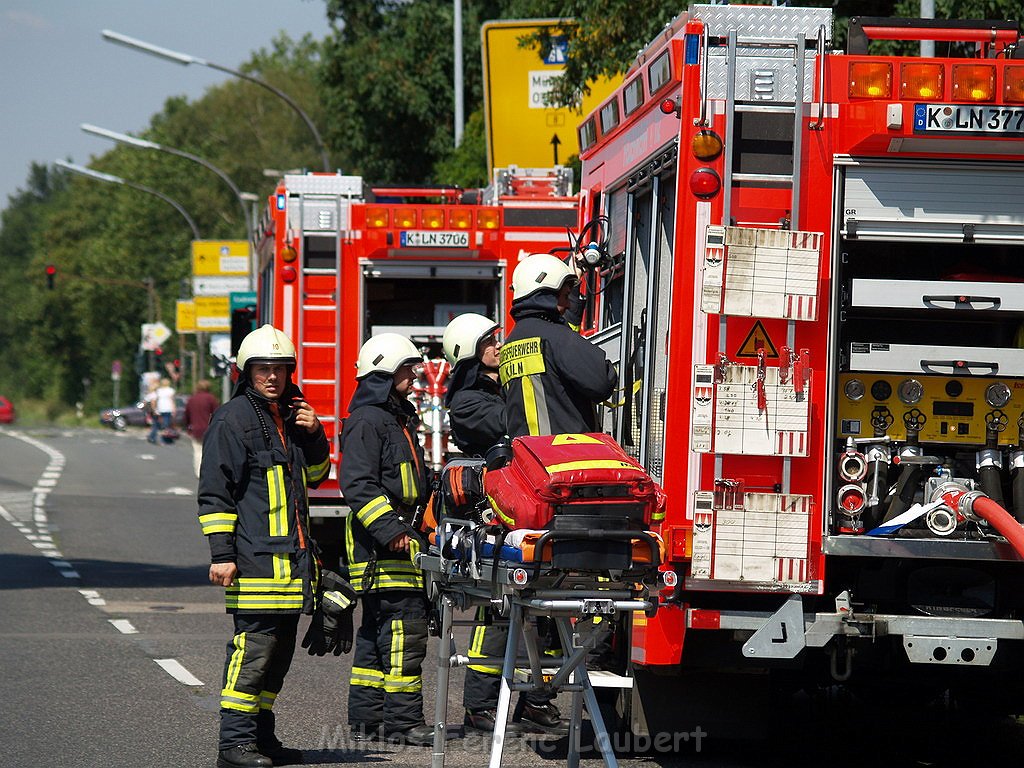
185,316
220,257
213,314
522,129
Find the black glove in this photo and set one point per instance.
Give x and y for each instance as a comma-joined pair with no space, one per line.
330,631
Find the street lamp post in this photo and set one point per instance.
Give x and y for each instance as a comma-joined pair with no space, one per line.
134,141
186,59
98,176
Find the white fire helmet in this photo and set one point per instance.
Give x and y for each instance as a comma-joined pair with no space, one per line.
463,335
385,353
540,270
265,345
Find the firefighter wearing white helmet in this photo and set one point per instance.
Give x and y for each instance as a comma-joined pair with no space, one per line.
552,377
383,480
265,345
476,406
261,452
385,353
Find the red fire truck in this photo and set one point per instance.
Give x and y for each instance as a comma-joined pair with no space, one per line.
811,277
340,261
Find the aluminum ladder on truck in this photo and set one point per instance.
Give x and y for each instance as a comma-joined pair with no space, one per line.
764,68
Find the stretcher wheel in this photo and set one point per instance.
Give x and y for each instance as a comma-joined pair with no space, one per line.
653,610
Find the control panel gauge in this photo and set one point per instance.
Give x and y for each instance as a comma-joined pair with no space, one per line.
997,395
910,391
854,389
881,389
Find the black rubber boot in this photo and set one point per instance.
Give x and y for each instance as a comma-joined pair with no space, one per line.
541,718
243,756
418,736
484,720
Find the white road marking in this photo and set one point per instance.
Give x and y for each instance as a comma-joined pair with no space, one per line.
174,668
92,596
124,626
69,574
147,457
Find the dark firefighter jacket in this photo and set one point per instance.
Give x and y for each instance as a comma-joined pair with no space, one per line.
551,375
252,502
383,480
476,408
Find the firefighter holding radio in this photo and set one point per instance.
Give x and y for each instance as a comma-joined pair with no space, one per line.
383,479
552,377
262,450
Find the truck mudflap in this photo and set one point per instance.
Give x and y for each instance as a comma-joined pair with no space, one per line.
926,639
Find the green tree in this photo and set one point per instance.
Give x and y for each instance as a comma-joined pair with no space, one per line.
387,83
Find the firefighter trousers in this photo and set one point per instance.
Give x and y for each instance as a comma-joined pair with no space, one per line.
258,657
483,681
387,666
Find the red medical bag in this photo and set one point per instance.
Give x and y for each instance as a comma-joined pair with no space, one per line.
571,482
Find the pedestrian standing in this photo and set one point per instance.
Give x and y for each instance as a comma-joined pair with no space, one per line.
383,480
165,410
198,412
262,450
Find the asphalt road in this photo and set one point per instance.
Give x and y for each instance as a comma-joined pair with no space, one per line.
112,641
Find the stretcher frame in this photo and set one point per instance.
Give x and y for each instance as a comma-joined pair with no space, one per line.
520,591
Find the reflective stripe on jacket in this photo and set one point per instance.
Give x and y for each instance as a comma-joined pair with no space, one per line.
253,506
383,479
552,379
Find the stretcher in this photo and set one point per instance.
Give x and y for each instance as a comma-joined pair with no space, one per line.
523,574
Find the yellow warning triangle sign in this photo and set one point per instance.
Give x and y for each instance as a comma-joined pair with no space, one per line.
757,338
575,440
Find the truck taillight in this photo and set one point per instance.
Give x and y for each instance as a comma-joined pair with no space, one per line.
705,183
376,217
433,218
405,219
288,254
461,219
1013,84
921,81
487,219
706,145
870,80
288,274
974,82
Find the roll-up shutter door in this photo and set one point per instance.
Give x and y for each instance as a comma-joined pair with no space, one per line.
934,202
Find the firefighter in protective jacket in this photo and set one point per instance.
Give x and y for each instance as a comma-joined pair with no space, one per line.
263,448
552,377
476,412
475,402
383,480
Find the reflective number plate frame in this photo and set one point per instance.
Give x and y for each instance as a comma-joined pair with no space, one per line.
978,119
433,238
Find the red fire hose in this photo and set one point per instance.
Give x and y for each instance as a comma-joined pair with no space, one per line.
976,504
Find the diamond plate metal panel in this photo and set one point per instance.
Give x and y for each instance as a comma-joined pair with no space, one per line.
750,64
782,23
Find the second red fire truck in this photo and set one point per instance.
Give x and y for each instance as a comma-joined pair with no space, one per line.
340,261
812,279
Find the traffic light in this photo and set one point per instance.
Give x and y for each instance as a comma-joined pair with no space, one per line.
243,322
51,273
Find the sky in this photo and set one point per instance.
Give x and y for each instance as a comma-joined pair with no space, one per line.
57,72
